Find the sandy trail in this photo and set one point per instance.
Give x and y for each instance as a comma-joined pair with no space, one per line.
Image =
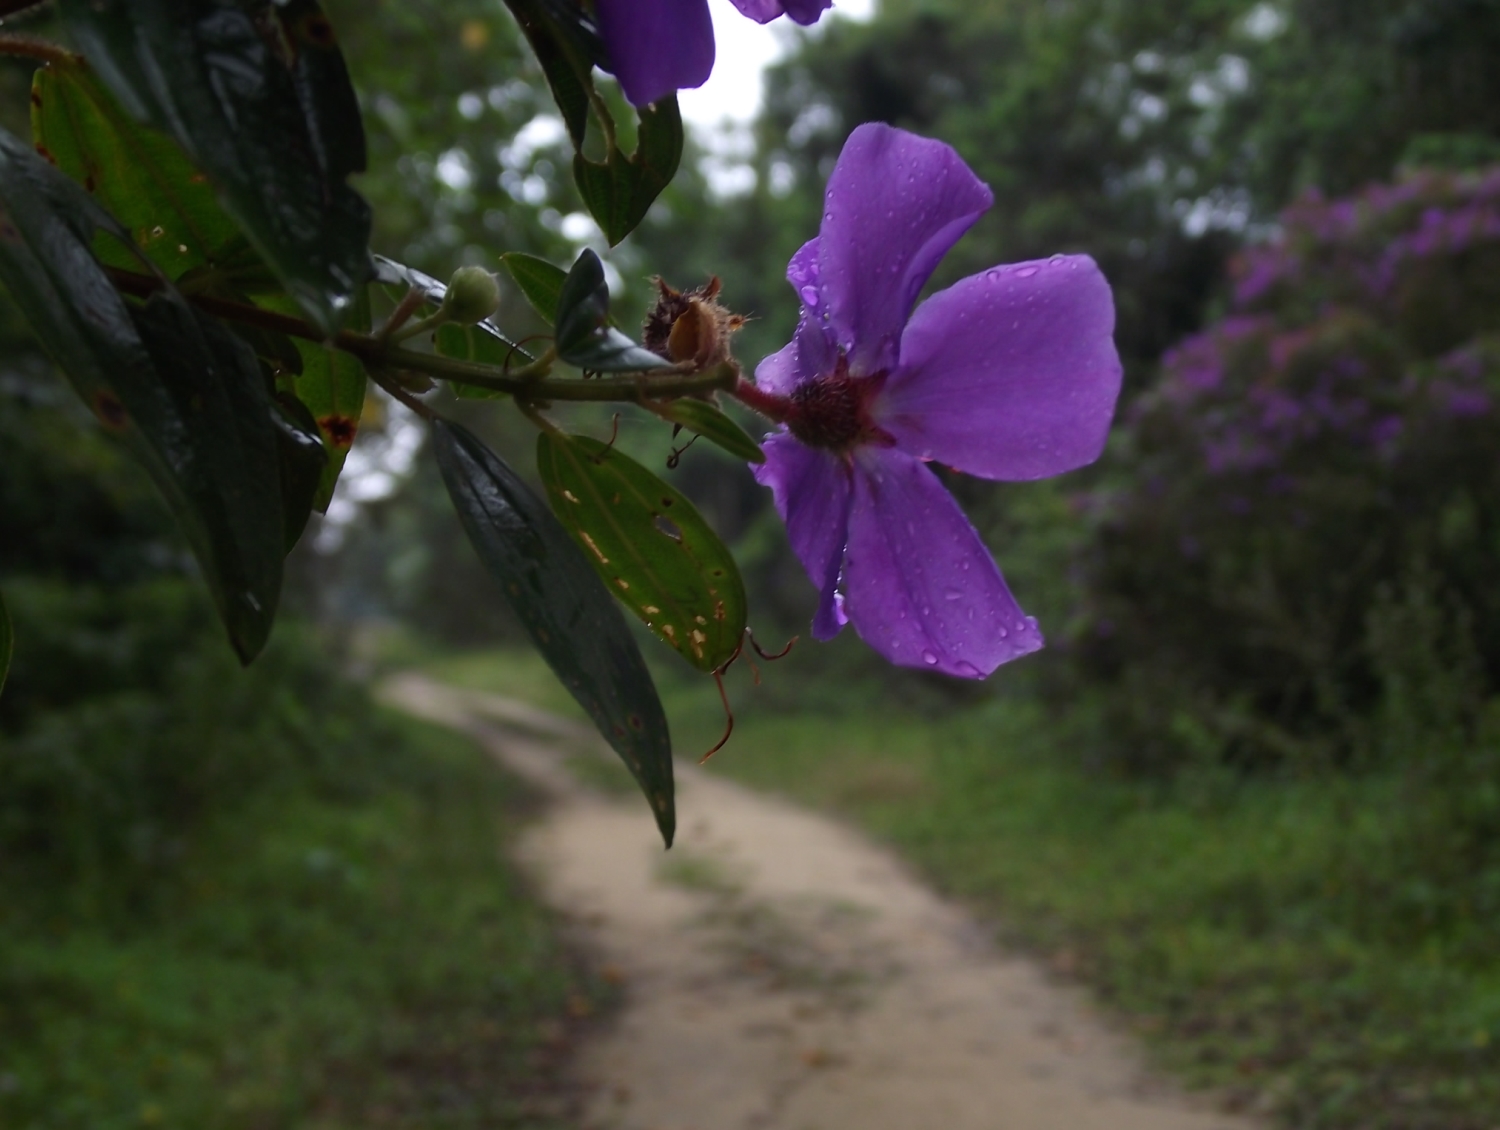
783,973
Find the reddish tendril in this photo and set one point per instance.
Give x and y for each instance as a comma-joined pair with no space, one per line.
514,348
723,668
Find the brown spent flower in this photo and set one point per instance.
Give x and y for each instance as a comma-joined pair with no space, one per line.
690,327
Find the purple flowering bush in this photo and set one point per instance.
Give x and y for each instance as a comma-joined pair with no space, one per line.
1308,535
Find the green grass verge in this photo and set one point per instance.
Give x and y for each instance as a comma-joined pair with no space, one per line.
1242,927
323,960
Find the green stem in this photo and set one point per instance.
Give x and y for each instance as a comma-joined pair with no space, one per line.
529,382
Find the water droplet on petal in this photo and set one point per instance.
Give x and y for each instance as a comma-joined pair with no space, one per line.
810,295
967,670
1026,272
953,594
1003,633
929,658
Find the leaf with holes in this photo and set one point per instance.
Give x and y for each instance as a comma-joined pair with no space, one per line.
7,641
183,393
707,421
649,544
558,598
258,95
621,189
540,281
584,337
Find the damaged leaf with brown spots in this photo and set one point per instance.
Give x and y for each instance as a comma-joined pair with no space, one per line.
649,544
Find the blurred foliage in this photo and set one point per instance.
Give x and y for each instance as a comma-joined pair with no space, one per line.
1309,497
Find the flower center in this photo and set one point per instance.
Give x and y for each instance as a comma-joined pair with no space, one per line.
832,411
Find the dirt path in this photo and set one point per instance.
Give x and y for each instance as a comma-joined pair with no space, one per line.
783,973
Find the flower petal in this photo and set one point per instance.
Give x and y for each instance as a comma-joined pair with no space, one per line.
657,47
895,204
764,11
811,352
1009,374
919,585
812,493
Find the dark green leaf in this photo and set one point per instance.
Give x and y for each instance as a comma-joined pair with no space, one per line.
302,460
540,281
557,596
707,421
649,544
567,45
258,96
584,337
619,190
184,393
7,641
331,384
476,343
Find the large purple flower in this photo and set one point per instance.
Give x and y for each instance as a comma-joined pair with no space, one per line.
661,46
1009,374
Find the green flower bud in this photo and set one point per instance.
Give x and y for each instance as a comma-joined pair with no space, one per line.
473,295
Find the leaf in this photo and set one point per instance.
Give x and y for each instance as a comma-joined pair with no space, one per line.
707,421
139,175
540,281
567,45
331,384
7,641
620,190
185,394
301,459
575,625
584,337
474,343
258,95
649,544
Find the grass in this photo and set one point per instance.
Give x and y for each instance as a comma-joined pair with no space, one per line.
1263,936
320,960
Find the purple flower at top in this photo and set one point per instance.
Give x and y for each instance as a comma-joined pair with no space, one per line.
658,47
1009,374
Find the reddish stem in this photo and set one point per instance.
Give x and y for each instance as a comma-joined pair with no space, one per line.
768,404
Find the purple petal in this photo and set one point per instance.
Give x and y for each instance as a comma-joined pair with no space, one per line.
1010,374
657,47
764,11
895,204
812,493
919,585
811,352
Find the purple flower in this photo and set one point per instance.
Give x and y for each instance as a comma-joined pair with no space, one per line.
1008,374
660,46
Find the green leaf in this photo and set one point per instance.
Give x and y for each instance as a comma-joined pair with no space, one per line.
567,45
575,625
7,641
620,190
139,175
475,343
649,544
185,394
584,337
540,281
258,95
302,460
707,421
331,384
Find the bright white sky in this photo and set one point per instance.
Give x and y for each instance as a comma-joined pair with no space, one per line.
745,48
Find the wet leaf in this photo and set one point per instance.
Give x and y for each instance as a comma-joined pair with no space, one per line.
713,425
186,395
301,459
258,95
584,337
138,174
575,625
650,546
540,281
620,190
567,45
7,641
